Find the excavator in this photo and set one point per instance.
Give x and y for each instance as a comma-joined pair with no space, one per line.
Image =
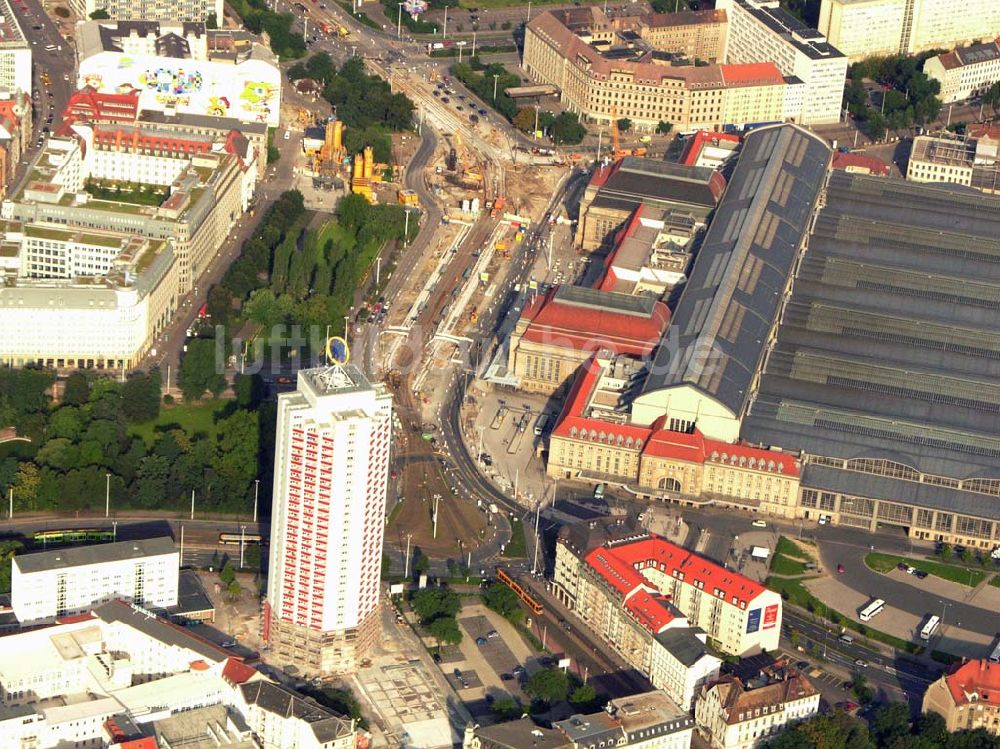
616,140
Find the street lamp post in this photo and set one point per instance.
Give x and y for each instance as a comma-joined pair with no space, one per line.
107,494
399,21
495,77
242,537
256,490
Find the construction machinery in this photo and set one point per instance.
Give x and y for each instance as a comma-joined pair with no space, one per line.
620,152
365,173
328,159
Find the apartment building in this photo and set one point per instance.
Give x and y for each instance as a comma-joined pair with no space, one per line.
602,82
759,30
661,586
152,10
968,697
966,71
51,584
738,715
15,133
15,51
865,28
331,467
181,67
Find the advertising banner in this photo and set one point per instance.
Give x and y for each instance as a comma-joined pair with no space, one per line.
753,621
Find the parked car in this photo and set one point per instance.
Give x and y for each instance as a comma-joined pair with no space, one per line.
861,663
802,665
920,574
480,640
759,524
492,634
840,569
901,566
458,673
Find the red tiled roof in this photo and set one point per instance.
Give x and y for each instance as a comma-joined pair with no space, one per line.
859,160
562,323
671,559
696,143
649,611
980,678
134,138
95,106
696,448
236,671
619,574
146,742
74,618
752,74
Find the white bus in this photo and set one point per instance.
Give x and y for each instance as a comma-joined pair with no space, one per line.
872,609
928,631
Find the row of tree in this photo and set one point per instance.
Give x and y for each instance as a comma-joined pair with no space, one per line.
889,727
87,446
259,18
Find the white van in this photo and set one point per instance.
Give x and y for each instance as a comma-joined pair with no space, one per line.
846,639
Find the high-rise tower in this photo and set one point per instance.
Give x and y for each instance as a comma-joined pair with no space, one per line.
331,465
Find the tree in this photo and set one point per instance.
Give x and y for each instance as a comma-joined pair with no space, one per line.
77,390
26,486
421,562
663,127
211,22
992,96
7,551
445,631
548,685
567,130
890,723
624,125
876,124
150,485
66,422
234,589
252,557
503,600
505,709
99,15
946,552
524,120
250,390
200,370
584,698
432,603
859,686
228,573
141,397
59,453
932,726
238,449
968,555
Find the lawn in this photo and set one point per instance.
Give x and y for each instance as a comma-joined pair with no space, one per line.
951,572
782,565
995,582
515,548
790,549
194,419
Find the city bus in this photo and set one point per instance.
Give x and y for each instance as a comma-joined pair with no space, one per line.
540,423
928,631
233,539
872,609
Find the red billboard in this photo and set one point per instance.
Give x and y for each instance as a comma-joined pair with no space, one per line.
770,616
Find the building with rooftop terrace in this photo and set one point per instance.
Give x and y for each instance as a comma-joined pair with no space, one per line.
957,160
966,71
866,28
50,584
607,70
760,30
181,67
331,467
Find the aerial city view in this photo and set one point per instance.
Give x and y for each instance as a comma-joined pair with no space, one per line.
500,374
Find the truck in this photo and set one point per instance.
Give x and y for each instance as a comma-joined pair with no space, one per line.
342,32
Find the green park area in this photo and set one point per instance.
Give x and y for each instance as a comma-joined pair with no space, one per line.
951,572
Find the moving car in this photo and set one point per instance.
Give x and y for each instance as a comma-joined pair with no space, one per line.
759,524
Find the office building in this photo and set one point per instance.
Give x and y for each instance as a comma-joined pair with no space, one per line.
331,468
182,68
761,31
958,160
560,329
712,150
51,584
691,34
15,51
120,676
966,71
604,76
152,10
867,28
968,697
659,586
614,192
735,715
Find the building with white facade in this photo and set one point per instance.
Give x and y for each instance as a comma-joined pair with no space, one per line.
966,71
15,51
972,162
634,589
734,715
331,466
121,675
759,31
152,10
51,584
865,28
182,68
